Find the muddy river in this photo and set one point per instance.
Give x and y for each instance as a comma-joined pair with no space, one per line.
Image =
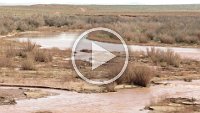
122,101
66,41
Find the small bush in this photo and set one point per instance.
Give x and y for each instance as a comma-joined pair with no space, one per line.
150,34
143,38
159,56
42,56
22,54
128,36
143,75
11,51
28,64
137,74
167,39
191,39
184,38
29,46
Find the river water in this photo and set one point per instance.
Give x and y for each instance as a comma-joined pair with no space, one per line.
66,41
123,101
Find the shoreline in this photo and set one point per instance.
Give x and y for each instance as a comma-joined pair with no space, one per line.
54,30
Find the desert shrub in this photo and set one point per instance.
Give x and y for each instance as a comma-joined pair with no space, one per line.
42,56
180,37
5,61
60,20
135,37
137,74
191,39
3,30
128,36
150,34
7,24
184,38
11,51
28,46
134,74
22,25
28,64
102,19
166,39
143,75
36,21
143,38
159,56
30,23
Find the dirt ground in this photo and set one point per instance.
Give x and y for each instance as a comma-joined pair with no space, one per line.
9,96
175,105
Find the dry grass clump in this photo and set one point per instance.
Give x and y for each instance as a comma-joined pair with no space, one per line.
135,37
137,74
28,46
5,61
159,56
134,74
167,39
143,39
42,56
28,64
143,75
11,51
184,38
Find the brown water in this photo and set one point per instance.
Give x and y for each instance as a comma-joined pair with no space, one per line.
66,40
123,101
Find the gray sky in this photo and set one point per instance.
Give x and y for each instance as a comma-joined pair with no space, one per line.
102,2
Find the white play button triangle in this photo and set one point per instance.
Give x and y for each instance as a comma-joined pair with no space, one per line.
100,56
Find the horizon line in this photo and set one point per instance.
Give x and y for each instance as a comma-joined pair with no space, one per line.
133,4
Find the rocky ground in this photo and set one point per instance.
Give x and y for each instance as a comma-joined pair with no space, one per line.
175,105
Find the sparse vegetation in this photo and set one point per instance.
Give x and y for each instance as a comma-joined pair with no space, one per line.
11,51
28,64
167,39
159,29
28,46
168,57
42,56
135,74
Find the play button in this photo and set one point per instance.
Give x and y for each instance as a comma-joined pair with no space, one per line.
99,62
100,56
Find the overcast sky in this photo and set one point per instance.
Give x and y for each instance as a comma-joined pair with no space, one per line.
102,2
